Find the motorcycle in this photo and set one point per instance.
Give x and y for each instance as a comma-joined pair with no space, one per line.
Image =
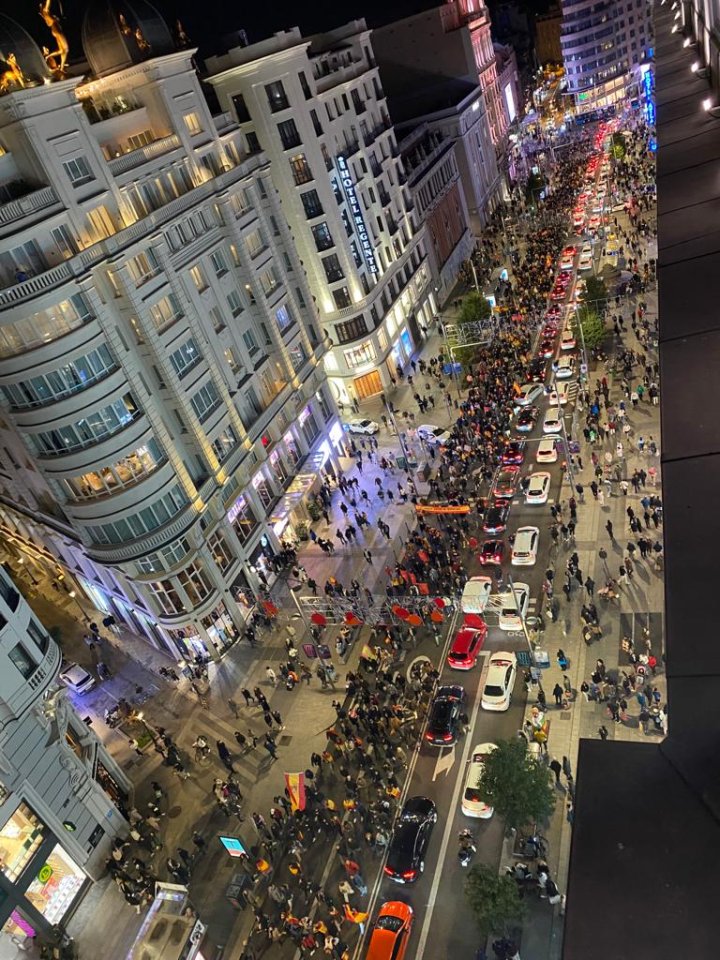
467,848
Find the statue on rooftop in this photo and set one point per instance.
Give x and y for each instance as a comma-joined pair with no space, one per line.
10,74
55,59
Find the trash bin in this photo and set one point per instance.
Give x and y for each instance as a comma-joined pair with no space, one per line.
234,890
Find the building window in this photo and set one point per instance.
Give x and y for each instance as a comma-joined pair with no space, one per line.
198,278
284,317
341,296
234,301
289,134
253,402
325,407
243,519
232,360
22,660
225,443
205,401
323,237
185,357
241,110
300,170
167,597
78,171
351,329
128,470
263,490
255,244
73,377
305,86
297,357
308,424
220,550
269,281
195,584
299,296
96,426
360,355
317,126
311,204
192,124
144,266
249,341
278,468
333,270
219,263
217,319
20,839
276,96
38,636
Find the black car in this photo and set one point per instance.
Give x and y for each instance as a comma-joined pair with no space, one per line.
536,371
496,518
405,860
527,419
445,715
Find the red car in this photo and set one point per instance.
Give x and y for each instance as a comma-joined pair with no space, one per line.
491,553
547,349
514,452
466,647
391,932
554,313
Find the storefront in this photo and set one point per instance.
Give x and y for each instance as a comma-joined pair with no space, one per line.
38,877
220,628
368,385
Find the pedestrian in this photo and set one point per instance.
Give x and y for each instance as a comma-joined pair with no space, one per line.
541,697
224,754
558,694
247,695
556,768
609,528
567,686
368,556
271,675
603,732
589,586
234,709
270,746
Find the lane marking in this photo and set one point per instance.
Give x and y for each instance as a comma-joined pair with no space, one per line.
445,763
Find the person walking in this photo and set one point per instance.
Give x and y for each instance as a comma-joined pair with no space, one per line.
558,694
271,675
609,528
224,754
270,746
247,696
368,556
590,586
603,732
556,768
234,709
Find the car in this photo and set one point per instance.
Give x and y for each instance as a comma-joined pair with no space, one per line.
527,418
585,262
560,393
362,426
465,648
433,435
499,683
525,548
579,222
491,553
514,602
547,450
444,717
506,481
567,340
558,293
565,368
536,370
553,312
514,452
476,594
551,423
546,348
472,804
529,393
411,835
390,932
76,678
567,260
538,489
495,519
594,222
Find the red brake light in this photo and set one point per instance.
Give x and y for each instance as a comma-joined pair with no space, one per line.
428,736
409,874
388,871
447,736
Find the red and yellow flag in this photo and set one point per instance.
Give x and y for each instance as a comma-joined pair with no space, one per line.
355,916
295,783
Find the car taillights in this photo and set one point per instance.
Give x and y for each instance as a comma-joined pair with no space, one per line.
409,874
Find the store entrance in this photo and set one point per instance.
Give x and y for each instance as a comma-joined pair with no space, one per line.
368,386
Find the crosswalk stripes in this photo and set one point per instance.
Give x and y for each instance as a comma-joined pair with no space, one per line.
214,729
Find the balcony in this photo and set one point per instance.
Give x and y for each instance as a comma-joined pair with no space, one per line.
34,201
117,552
128,161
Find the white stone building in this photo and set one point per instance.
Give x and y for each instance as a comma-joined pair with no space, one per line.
165,405
60,790
605,44
316,107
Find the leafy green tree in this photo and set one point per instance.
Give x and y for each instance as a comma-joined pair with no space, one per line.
593,328
618,146
595,294
494,900
516,785
475,309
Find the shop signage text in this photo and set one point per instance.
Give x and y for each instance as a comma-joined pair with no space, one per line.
357,214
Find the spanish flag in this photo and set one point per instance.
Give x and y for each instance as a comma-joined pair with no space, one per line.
295,783
355,916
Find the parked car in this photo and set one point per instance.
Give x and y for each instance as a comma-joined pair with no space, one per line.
472,804
362,426
497,694
411,835
76,678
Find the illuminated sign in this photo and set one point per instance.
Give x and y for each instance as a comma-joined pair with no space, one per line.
357,214
233,846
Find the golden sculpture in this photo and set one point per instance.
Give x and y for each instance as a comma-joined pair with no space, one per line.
55,59
182,38
141,41
125,28
10,74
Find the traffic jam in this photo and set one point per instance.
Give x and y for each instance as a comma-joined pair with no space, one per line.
498,605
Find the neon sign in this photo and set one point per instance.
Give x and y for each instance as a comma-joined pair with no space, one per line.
357,214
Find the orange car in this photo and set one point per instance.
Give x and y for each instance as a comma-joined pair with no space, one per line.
391,932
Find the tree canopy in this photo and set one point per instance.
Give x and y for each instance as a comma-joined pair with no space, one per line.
516,785
474,309
494,900
593,327
595,293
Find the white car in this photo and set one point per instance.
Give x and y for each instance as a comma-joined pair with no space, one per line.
567,262
433,435
76,678
362,426
551,423
560,393
567,340
473,804
529,393
525,548
547,450
586,257
514,606
499,682
476,594
565,368
538,489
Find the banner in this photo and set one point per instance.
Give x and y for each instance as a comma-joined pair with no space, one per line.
443,508
295,783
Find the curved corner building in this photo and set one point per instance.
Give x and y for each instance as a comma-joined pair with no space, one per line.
605,44
61,793
164,410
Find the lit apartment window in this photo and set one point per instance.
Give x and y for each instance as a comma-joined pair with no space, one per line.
225,443
198,278
220,550
276,96
192,123
165,312
284,317
78,171
185,357
360,355
300,170
232,360
144,266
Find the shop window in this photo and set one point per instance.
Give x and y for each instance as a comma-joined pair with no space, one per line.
57,883
20,839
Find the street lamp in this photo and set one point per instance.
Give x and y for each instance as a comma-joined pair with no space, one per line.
73,596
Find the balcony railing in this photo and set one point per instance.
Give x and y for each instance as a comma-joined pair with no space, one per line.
128,161
15,210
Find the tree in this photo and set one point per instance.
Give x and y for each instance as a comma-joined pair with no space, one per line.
593,328
595,293
494,900
475,309
618,146
516,785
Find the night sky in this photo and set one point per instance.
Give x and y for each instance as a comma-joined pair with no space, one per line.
206,20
